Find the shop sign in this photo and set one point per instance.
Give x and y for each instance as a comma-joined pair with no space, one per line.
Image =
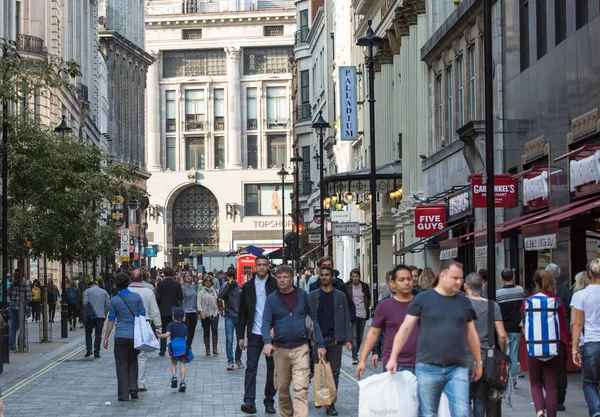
540,242
585,171
271,224
429,220
340,216
349,111
505,191
459,204
481,251
345,229
535,188
584,124
448,254
314,238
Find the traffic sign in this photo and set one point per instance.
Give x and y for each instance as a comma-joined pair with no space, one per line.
151,252
345,229
125,258
125,242
314,238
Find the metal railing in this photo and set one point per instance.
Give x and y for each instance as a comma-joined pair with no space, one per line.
82,91
219,123
252,124
195,123
302,35
31,45
277,124
303,112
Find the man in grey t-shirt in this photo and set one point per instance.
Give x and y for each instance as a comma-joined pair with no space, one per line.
474,286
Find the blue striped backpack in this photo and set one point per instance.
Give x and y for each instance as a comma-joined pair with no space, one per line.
542,331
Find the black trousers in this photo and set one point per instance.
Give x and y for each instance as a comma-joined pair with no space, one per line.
334,357
253,354
95,325
127,367
562,377
358,330
191,320
210,325
72,314
165,322
51,310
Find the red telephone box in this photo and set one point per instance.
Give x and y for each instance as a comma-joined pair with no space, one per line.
245,268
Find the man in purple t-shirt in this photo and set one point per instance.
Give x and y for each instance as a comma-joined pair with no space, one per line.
389,315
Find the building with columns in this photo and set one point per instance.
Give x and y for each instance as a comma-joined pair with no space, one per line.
219,128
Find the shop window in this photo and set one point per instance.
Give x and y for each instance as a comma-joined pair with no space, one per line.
195,153
581,13
265,199
219,103
251,199
277,151
171,153
195,110
219,152
252,151
524,33
560,16
541,27
170,119
251,120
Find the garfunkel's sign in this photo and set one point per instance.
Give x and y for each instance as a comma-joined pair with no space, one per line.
505,191
429,219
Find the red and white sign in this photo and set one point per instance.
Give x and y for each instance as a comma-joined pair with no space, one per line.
585,171
505,191
540,242
429,220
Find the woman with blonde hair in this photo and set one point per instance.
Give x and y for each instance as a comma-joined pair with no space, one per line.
209,313
581,281
427,279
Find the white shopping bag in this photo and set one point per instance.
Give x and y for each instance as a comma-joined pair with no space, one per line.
388,395
444,410
143,336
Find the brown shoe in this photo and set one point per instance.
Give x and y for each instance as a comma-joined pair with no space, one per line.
207,345
215,340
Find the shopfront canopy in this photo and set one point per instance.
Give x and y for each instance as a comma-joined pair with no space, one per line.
388,178
419,245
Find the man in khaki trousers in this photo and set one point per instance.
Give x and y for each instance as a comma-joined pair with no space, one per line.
286,339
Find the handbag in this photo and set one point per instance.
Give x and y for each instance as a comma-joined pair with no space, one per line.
88,313
143,335
325,390
497,369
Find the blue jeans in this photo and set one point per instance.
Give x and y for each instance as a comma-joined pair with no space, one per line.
514,348
432,380
590,375
230,325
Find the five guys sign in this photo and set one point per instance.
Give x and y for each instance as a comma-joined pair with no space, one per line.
505,191
429,219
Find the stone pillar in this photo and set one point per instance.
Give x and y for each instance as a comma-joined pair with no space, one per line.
234,127
153,117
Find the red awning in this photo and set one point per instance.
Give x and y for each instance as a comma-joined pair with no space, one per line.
316,248
566,215
503,224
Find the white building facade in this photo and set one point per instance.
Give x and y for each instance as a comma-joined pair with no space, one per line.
219,128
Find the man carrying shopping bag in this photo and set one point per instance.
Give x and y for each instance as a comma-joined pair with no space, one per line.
286,340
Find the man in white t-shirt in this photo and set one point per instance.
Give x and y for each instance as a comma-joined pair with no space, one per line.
587,315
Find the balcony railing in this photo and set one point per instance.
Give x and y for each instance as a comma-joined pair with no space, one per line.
303,112
302,35
277,124
82,92
252,124
31,45
195,122
170,125
219,123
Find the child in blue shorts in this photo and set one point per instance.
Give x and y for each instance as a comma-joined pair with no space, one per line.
178,349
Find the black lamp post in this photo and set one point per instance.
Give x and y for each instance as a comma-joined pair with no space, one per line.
320,125
130,205
371,43
64,128
282,174
296,159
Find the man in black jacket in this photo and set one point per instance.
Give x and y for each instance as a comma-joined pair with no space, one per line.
361,297
168,295
252,304
339,285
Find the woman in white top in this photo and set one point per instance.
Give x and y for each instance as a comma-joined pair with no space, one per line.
586,305
209,313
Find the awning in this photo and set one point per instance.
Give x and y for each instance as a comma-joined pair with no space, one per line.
391,171
565,218
316,248
415,247
507,223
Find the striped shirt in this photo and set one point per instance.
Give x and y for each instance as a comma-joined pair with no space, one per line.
510,299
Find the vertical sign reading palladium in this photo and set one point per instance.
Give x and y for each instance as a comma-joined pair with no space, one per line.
349,115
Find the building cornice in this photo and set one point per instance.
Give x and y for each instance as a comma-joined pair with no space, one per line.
220,18
116,40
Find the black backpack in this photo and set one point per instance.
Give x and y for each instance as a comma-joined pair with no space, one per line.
496,369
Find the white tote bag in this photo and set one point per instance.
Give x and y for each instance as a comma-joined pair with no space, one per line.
143,336
388,395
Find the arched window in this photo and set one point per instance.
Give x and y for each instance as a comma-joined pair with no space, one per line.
196,219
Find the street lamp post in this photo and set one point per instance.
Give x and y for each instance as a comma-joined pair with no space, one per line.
63,128
296,159
320,125
371,43
282,174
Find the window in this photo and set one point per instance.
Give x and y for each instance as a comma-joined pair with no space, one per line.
251,123
302,33
252,151
251,199
194,153
304,110
171,154
271,60
277,150
219,152
274,30
195,110
187,34
524,33
306,182
171,118
560,15
194,63
276,108
472,84
450,105
581,13
219,96
542,27
461,91
440,116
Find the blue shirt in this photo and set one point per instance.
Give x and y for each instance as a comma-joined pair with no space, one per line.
120,313
261,297
177,329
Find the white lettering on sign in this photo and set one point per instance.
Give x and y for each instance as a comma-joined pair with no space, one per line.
535,188
540,242
271,224
448,254
430,223
585,171
498,189
349,113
